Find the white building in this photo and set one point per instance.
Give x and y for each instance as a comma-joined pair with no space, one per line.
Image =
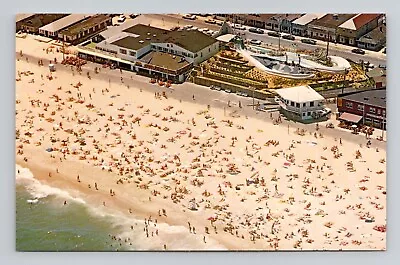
52,29
135,41
299,26
303,102
151,51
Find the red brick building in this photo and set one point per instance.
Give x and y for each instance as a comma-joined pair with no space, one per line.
366,107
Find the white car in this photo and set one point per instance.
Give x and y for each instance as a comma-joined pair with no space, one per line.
187,27
240,27
189,16
195,28
121,19
255,42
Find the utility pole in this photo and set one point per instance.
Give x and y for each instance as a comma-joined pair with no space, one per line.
253,98
344,83
327,48
63,47
279,37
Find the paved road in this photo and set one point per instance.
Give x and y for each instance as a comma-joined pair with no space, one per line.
372,58
203,96
336,50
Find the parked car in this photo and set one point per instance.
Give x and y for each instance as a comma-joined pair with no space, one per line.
187,27
121,19
358,51
189,16
256,30
309,41
238,26
228,90
133,15
212,87
274,34
288,37
210,21
383,66
255,42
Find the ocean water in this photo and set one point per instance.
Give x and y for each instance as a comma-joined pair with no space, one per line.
44,223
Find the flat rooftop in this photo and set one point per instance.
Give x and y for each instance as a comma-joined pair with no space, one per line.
20,17
307,18
191,40
375,97
64,22
299,94
165,60
85,25
289,17
40,20
332,20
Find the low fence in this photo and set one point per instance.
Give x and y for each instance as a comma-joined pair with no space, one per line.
234,81
204,81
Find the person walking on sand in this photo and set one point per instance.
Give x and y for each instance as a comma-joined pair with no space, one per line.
78,179
204,239
193,97
95,186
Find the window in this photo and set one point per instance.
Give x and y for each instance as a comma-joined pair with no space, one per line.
122,51
201,54
184,54
304,104
195,55
360,107
132,53
308,113
167,45
159,48
297,105
384,112
312,104
292,103
304,114
349,105
209,49
372,110
379,111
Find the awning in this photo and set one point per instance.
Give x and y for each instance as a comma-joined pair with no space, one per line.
350,117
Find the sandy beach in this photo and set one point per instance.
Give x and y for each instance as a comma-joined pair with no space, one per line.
227,181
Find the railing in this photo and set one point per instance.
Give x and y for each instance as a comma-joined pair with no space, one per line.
301,109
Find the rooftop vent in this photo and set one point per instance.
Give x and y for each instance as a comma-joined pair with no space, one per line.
141,41
366,99
335,16
148,33
147,38
154,35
